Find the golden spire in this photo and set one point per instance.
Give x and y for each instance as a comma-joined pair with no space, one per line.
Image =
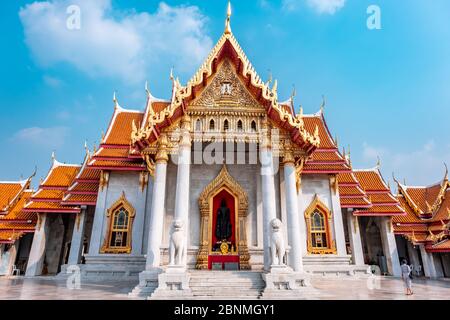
227,21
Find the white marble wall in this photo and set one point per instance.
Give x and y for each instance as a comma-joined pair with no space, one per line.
120,182
320,184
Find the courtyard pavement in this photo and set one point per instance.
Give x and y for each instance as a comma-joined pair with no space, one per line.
52,288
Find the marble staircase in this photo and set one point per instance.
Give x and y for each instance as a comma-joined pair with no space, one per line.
225,285
330,265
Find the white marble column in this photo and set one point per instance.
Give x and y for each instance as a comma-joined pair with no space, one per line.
157,207
268,194
338,222
293,224
99,217
13,250
76,245
390,246
37,252
354,234
183,173
413,255
429,268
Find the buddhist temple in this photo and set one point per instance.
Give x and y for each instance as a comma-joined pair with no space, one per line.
222,176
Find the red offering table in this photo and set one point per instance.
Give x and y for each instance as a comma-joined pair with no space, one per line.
219,258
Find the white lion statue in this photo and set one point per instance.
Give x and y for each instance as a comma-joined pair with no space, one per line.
177,247
277,247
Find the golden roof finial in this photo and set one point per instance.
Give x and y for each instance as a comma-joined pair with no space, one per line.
86,147
301,111
378,162
446,172
53,156
227,21
336,140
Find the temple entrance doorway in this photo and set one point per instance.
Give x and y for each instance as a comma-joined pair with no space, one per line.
224,252
223,208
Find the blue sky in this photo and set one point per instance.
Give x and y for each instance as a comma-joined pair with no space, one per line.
388,90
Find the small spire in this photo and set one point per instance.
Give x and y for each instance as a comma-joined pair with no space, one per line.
336,140
322,106
293,94
103,136
227,21
378,162
53,156
146,89
116,102
301,111
275,86
86,147
446,172
269,81
404,181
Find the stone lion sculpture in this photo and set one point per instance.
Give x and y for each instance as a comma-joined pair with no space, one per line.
277,247
177,247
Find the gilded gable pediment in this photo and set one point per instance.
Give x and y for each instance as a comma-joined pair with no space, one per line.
226,92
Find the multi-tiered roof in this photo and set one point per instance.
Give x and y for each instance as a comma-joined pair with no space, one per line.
428,215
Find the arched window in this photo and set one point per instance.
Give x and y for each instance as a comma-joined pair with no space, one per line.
318,219
198,125
212,125
118,237
253,125
239,125
318,230
226,125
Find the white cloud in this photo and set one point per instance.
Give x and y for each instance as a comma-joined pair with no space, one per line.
52,81
422,166
326,6
115,43
320,6
53,137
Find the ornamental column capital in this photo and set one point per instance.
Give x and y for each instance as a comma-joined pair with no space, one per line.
266,138
288,158
185,126
161,155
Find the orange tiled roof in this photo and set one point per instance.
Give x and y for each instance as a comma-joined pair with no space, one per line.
80,199
380,196
50,193
443,246
9,191
119,131
311,121
118,165
16,213
84,189
9,236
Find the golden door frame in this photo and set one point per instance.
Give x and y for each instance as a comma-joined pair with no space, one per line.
224,181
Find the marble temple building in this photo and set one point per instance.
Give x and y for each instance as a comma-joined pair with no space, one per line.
223,177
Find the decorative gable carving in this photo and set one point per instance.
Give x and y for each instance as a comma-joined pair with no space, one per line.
226,90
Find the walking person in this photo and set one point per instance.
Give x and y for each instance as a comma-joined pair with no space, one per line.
406,276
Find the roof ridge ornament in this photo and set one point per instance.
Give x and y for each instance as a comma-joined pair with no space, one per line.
322,106
228,19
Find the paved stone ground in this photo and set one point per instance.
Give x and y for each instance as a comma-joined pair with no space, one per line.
51,288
